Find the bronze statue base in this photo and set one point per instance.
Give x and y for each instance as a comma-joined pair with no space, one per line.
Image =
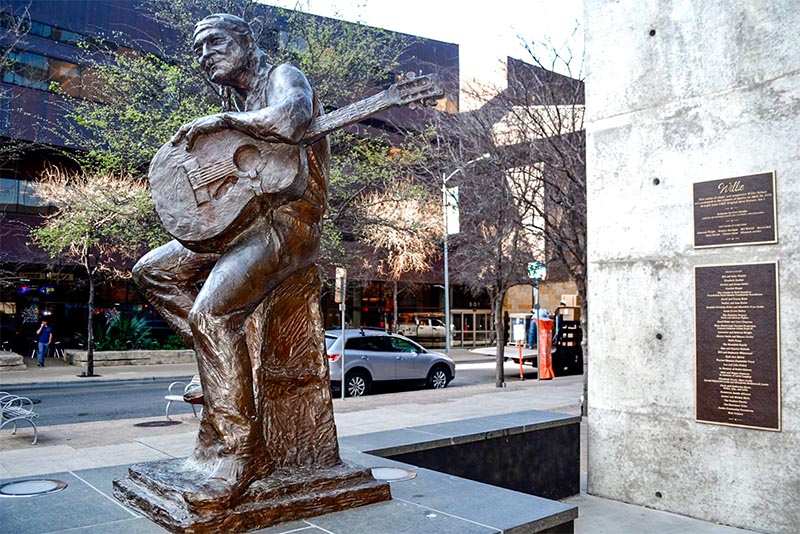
159,491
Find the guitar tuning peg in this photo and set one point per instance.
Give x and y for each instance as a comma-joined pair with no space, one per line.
410,75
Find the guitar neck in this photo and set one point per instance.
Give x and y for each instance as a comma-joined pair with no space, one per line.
349,114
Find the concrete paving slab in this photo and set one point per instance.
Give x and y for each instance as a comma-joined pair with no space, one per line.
174,445
397,517
99,478
603,516
435,491
294,527
77,506
131,452
507,423
385,439
135,525
44,460
96,433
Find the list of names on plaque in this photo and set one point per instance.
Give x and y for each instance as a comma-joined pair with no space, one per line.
736,337
735,211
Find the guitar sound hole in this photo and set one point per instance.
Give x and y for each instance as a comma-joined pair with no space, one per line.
247,158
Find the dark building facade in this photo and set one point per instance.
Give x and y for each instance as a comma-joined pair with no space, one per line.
48,49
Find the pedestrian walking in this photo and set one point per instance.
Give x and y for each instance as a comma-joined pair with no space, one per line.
45,334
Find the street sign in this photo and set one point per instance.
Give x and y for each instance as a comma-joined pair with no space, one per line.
341,285
537,270
451,211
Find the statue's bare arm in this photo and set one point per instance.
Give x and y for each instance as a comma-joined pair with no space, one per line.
285,120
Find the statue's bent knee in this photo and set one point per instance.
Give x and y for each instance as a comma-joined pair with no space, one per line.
139,271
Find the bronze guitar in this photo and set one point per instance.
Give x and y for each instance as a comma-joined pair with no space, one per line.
201,197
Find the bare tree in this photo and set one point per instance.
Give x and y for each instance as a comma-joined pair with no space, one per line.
496,238
405,225
528,201
543,123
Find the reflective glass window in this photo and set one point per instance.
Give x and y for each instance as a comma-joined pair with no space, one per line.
27,69
27,195
9,190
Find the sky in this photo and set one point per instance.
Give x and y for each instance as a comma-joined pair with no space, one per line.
485,30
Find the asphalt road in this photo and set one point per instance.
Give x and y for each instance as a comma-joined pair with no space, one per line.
103,401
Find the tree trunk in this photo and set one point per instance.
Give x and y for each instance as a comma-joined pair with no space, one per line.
394,305
497,313
90,332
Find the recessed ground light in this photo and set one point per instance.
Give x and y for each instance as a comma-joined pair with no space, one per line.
392,474
149,424
31,487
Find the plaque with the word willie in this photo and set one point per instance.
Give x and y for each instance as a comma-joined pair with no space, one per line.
735,211
737,349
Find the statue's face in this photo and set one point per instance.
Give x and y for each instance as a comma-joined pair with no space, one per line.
221,56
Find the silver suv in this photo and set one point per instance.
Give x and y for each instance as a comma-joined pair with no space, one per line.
375,356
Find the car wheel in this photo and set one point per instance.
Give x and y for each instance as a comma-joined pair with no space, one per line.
438,378
357,384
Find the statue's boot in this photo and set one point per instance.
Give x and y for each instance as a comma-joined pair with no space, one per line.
230,478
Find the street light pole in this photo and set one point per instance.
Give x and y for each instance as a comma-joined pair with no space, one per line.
445,179
446,274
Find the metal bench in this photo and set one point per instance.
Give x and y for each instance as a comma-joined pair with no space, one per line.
174,396
14,408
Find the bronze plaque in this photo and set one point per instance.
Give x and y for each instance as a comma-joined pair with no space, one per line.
735,211
737,352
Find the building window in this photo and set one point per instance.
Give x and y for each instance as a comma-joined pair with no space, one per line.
39,29
15,192
29,69
47,31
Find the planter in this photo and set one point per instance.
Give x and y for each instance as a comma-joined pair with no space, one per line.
109,358
11,362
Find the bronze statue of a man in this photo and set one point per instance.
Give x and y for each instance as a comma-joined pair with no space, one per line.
209,294
243,194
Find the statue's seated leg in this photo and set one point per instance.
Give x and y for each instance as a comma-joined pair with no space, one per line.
230,442
168,276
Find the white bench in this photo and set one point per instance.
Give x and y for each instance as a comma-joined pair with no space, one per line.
14,408
174,396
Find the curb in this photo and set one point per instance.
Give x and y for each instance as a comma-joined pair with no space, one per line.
54,384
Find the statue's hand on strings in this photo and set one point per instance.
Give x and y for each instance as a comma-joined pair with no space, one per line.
202,126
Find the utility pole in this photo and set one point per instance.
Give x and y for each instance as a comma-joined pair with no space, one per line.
454,198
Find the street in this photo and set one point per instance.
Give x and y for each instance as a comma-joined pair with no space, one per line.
67,403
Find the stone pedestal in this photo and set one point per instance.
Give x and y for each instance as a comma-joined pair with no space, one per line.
160,490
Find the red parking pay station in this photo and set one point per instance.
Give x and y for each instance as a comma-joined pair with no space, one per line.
545,348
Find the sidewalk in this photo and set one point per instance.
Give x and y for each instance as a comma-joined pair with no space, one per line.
68,448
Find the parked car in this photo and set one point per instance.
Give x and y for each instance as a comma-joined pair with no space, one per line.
424,328
375,356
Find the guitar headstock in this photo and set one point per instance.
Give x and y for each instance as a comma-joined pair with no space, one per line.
415,90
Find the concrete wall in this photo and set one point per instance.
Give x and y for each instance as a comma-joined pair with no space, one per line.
713,93
108,358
